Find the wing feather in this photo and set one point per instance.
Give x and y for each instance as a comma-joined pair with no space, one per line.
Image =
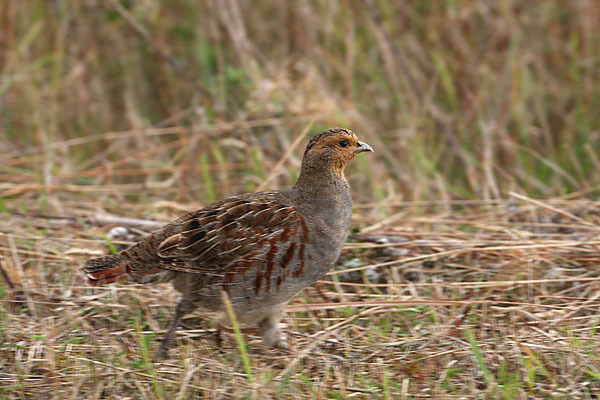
212,238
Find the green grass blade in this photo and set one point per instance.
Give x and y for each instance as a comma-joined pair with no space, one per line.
238,337
489,379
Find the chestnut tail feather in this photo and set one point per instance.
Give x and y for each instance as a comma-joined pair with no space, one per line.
107,269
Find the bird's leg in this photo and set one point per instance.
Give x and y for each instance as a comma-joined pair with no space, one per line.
270,332
184,307
219,337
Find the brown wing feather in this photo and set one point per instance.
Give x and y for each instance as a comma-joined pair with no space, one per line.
233,229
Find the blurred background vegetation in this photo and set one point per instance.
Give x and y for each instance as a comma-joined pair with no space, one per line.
194,100
450,287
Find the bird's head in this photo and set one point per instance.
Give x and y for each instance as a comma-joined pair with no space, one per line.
333,149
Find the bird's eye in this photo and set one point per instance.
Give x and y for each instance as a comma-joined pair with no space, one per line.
343,143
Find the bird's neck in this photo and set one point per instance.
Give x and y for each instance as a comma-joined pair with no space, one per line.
319,181
324,190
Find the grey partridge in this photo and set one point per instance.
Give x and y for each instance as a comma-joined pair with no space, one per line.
260,248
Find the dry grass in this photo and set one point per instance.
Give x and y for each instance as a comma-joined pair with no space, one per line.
496,299
472,268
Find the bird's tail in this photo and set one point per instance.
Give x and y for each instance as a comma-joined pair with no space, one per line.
107,269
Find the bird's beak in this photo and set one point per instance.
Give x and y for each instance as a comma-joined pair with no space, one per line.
362,146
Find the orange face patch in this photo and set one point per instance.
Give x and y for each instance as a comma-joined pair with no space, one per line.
339,155
334,141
